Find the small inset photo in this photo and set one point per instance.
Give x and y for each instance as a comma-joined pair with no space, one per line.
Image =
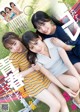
65,19
10,11
73,28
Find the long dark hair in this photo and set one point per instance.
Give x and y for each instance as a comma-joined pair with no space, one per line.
2,12
5,9
11,4
27,37
41,16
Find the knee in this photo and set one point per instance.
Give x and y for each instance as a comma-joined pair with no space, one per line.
78,70
75,84
58,106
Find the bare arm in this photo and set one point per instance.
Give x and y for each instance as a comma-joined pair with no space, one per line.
53,79
26,72
68,63
60,43
29,70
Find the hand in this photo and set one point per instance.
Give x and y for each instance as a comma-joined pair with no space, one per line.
71,93
36,67
69,47
77,92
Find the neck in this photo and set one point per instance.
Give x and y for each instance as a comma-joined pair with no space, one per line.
24,49
53,29
45,51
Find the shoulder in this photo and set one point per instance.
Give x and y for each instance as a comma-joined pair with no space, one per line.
49,43
17,56
19,60
59,28
14,55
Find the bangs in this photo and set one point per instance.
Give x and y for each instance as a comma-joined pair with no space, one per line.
31,42
40,22
8,42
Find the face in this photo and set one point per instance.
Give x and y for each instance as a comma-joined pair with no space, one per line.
46,28
12,5
15,47
36,46
7,10
3,14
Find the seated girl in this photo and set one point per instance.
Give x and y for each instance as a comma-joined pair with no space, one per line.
53,58
48,27
6,17
11,13
14,8
36,84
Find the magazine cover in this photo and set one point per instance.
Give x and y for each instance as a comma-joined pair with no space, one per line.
23,88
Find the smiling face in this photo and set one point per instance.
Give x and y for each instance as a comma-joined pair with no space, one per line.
15,46
3,14
7,10
12,5
36,46
46,27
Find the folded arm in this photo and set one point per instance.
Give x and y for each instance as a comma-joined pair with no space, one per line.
60,43
53,79
26,72
29,70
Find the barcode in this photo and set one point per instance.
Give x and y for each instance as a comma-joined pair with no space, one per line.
4,107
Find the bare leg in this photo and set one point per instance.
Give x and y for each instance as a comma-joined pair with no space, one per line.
71,82
56,92
77,66
46,97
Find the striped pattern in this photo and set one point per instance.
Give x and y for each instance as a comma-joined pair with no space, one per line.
34,82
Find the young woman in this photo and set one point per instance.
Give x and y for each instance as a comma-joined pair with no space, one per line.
11,13
50,27
36,84
6,17
53,58
14,8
